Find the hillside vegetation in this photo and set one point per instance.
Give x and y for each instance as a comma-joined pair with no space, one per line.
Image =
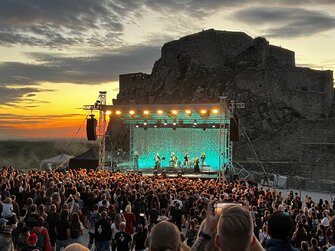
28,154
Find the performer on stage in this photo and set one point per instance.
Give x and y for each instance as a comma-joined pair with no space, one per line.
173,159
186,160
157,162
203,158
196,165
136,156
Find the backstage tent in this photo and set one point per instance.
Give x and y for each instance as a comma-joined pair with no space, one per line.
51,164
87,160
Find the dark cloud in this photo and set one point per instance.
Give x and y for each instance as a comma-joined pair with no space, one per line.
13,95
64,69
287,22
64,22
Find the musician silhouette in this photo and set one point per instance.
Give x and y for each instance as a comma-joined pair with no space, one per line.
157,160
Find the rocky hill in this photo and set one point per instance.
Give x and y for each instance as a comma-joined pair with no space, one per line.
289,118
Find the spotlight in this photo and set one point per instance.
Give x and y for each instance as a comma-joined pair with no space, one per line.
155,126
145,113
213,126
137,126
118,112
132,113
145,123
174,123
188,112
165,122
195,122
204,113
215,111
160,112
174,112
108,112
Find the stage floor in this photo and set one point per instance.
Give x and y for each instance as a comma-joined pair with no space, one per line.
175,173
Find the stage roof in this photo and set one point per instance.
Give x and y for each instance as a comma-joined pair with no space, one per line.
181,114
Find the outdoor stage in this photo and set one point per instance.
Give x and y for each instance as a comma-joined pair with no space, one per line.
183,137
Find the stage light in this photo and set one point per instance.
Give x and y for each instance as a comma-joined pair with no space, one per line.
145,123
215,111
174,112
146,113
155,126
165,122
118,112
132,113
160,112
195,122
174,123
137,126
213,126
188,112
108,112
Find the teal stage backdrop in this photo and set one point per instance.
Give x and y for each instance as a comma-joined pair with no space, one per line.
195,141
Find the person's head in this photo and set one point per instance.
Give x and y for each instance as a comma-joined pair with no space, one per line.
280,226
128,208
122,226
235,229
314,242
159,240
76,247
40,221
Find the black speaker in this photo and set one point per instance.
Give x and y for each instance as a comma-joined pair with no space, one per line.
91,125
234,131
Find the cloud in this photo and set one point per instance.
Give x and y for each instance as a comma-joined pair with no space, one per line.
286,22
13,95
58,68
64,22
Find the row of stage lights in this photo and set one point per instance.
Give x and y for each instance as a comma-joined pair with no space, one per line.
174,125
145,113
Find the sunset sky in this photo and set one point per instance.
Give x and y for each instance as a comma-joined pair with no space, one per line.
56,55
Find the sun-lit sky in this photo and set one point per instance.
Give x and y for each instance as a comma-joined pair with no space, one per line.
56,55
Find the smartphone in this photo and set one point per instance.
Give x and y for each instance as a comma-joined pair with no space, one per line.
219,206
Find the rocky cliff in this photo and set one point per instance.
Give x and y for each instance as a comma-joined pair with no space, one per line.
289,115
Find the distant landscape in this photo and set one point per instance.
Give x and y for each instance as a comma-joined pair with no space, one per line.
28,154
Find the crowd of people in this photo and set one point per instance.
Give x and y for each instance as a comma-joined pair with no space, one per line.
48,211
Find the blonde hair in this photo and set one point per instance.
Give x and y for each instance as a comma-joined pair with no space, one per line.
128,208
165,236
76,247
235,228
